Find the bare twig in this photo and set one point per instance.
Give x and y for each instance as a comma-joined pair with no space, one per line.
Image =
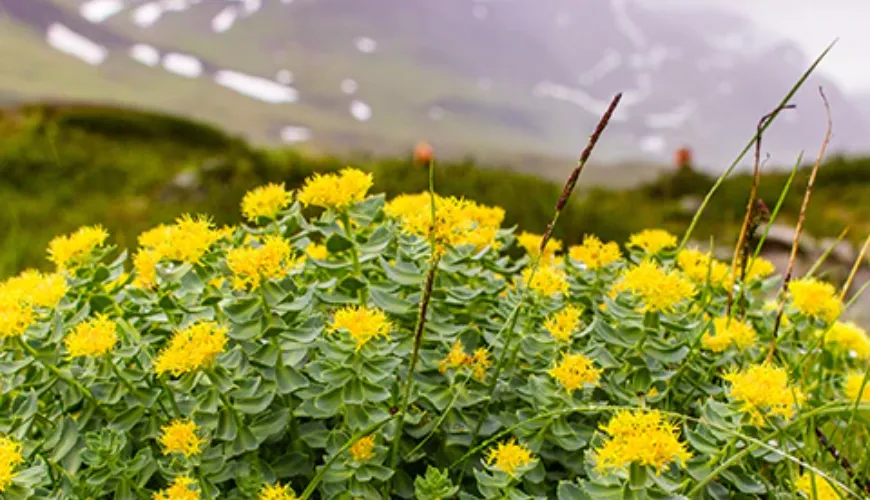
800,223
751,209
855,267
842,461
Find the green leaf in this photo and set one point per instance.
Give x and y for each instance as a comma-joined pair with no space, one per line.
125,421
746,483
66,435
100,303
255,405
337,243
638,477
241,310
406,275
570,491
289,379
390,303
246,331
227,429
329,401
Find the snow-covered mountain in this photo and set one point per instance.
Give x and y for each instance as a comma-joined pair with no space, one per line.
473,75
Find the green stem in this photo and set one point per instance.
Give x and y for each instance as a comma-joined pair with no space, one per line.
224,399
164,388
57,373
443,416
363,293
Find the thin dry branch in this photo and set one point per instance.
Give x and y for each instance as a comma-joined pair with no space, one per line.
800,223
858,263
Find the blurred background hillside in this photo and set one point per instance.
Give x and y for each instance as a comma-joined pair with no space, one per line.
130,112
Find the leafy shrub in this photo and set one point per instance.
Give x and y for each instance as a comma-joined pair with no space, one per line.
342,346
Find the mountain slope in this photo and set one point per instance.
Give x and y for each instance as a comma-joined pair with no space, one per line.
489,78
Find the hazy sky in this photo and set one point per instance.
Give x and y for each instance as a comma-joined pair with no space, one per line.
814,24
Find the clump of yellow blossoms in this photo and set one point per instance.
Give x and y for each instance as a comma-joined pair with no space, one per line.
10,458
659,290
532,245
509,456
180,436
562,324
277,492
363,449
265,201
854,381
815,299
850,338
594,254
192,348
317,251
93,337
250,265
336,191
36,288
180,489
728,332
456,358
574,371
641,437
698,266
16,316
548,280
71,250
652,241
823,489
457,222
363,324
759,268
762,389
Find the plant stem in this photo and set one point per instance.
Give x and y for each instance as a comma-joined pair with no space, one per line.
57,373
363,292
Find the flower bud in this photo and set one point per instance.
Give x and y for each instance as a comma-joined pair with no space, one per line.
423,153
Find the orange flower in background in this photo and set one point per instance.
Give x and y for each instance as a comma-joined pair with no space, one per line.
423,153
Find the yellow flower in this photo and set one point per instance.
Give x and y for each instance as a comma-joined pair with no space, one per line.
481,362
562,324
70,251
760,268
363,324
696,266
10,458
642,437
548,280
336,191
37,289
145,264
532,244
251,265
265,201
764,388
16,316
277,492
94,337
180,489
363,449
850,338
318,252
188,240
652,241
455,358
509,456
192,348
216,282
815,299
595,254
574,371
823,489
660,290
854,381
727,332
180,436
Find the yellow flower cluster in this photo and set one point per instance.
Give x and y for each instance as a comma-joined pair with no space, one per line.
762,389
180,436
317,251
660,290
849,338
823,489
363,324
562,324
36,288
192,348
641,437
652,241
698,266
532,245
729,332
180,489
250,265
71,250
265,201
509,456
10,458
594,254
854,381
277,492
548,280
93,337
458,222
815,299
363,449
479,362
16,316
336,191
760,268
574,371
